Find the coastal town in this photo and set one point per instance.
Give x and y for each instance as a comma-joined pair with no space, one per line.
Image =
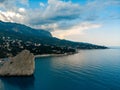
11,47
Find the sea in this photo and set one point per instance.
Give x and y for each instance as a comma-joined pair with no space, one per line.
86,70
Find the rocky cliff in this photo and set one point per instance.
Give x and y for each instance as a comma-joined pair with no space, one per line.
20,65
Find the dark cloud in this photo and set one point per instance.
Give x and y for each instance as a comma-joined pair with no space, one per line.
39,21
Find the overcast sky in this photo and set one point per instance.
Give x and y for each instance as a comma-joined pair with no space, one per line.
93,21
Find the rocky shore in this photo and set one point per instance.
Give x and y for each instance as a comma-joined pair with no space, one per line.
21,65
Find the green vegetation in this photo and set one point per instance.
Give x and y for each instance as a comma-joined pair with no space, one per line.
17,37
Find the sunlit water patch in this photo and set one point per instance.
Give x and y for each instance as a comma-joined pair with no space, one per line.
87,70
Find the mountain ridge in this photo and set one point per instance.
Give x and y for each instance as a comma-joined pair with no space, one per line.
16,37
21,28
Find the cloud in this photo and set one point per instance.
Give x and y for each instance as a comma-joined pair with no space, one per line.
24,2
58,11
12,5
75,30
21,10
55,11
42,4
57,14
10,12
19,1
11,17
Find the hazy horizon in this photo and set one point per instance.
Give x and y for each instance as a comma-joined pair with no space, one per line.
90,21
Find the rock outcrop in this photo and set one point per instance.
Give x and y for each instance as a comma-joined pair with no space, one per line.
20,65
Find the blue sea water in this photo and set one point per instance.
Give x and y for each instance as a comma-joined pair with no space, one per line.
86,70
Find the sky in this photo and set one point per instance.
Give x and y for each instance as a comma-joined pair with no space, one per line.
92,21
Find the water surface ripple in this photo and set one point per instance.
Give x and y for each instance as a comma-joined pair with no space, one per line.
87,70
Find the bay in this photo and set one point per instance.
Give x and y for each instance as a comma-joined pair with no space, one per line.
86,70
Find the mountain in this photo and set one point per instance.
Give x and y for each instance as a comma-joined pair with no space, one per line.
18,30
25,33
15,37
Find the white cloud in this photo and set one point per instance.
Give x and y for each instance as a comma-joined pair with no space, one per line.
75,30
56,14
21,10
42,4
55,11
63,19
10,16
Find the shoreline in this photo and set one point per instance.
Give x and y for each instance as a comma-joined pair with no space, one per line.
3,60
43,55
51,55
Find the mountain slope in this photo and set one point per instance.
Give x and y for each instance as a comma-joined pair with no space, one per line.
19,29
25,33
14,36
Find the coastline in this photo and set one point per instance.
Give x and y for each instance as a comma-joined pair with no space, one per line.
42,55
51,55
54,55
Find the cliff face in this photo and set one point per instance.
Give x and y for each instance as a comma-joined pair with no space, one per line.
20,65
